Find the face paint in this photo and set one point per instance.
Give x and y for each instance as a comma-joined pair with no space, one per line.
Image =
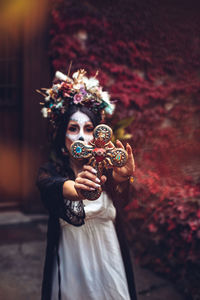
81,120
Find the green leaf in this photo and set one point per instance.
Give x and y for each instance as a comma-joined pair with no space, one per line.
124,123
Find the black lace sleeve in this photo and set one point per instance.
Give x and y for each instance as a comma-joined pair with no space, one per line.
50,184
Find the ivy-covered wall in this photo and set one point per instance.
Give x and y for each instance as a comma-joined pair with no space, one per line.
148,57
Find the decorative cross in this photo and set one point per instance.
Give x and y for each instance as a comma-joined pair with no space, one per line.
100,155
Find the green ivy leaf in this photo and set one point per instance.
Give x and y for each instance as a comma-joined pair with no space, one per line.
124,123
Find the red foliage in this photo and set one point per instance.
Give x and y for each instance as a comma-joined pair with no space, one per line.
148,54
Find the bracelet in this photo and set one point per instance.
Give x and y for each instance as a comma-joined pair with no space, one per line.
119,188
129,177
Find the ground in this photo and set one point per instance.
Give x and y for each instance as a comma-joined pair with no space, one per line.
22,248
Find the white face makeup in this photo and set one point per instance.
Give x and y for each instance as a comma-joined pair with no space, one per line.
80,127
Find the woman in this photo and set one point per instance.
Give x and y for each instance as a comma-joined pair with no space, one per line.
85,259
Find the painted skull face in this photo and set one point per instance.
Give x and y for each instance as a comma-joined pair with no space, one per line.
80,128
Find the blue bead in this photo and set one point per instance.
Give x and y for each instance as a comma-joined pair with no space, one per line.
78,150
118,157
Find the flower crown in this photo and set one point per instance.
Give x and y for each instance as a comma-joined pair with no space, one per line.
79,90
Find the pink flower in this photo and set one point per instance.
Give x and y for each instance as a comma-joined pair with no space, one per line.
78,98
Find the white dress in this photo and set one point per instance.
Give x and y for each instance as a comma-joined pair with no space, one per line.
91,265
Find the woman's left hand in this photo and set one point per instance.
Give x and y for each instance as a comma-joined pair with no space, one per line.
122,173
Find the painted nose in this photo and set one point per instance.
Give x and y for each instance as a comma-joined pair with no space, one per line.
81,138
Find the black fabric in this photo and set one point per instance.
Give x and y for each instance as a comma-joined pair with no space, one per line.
59,275
50,184
126,258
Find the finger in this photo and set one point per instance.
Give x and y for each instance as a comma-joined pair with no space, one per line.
103,179
90,169
129,149
87,182
91,142
110,145
83,187
130,159
119,144
89,175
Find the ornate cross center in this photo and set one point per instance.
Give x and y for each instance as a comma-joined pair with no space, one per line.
100,155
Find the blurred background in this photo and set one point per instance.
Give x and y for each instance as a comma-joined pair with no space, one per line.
148,57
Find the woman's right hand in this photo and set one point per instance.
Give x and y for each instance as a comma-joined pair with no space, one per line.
88,180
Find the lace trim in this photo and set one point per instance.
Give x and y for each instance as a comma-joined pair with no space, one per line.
73,212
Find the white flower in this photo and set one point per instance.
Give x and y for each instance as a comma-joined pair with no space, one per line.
56,87
61,76
78,76
106,97
47,98
48,91
77,86
90,82
85,81
44,112
94,90
75,75
110,108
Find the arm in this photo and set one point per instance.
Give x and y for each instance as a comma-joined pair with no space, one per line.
69,191
120,192
59,195
62,196
54,187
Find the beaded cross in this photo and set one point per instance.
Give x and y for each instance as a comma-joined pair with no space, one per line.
100,155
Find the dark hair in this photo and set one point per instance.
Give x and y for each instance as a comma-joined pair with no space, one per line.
59,140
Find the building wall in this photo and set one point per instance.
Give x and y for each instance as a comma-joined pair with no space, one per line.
23,131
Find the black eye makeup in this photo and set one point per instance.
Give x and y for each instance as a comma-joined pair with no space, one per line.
73,128
89,128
